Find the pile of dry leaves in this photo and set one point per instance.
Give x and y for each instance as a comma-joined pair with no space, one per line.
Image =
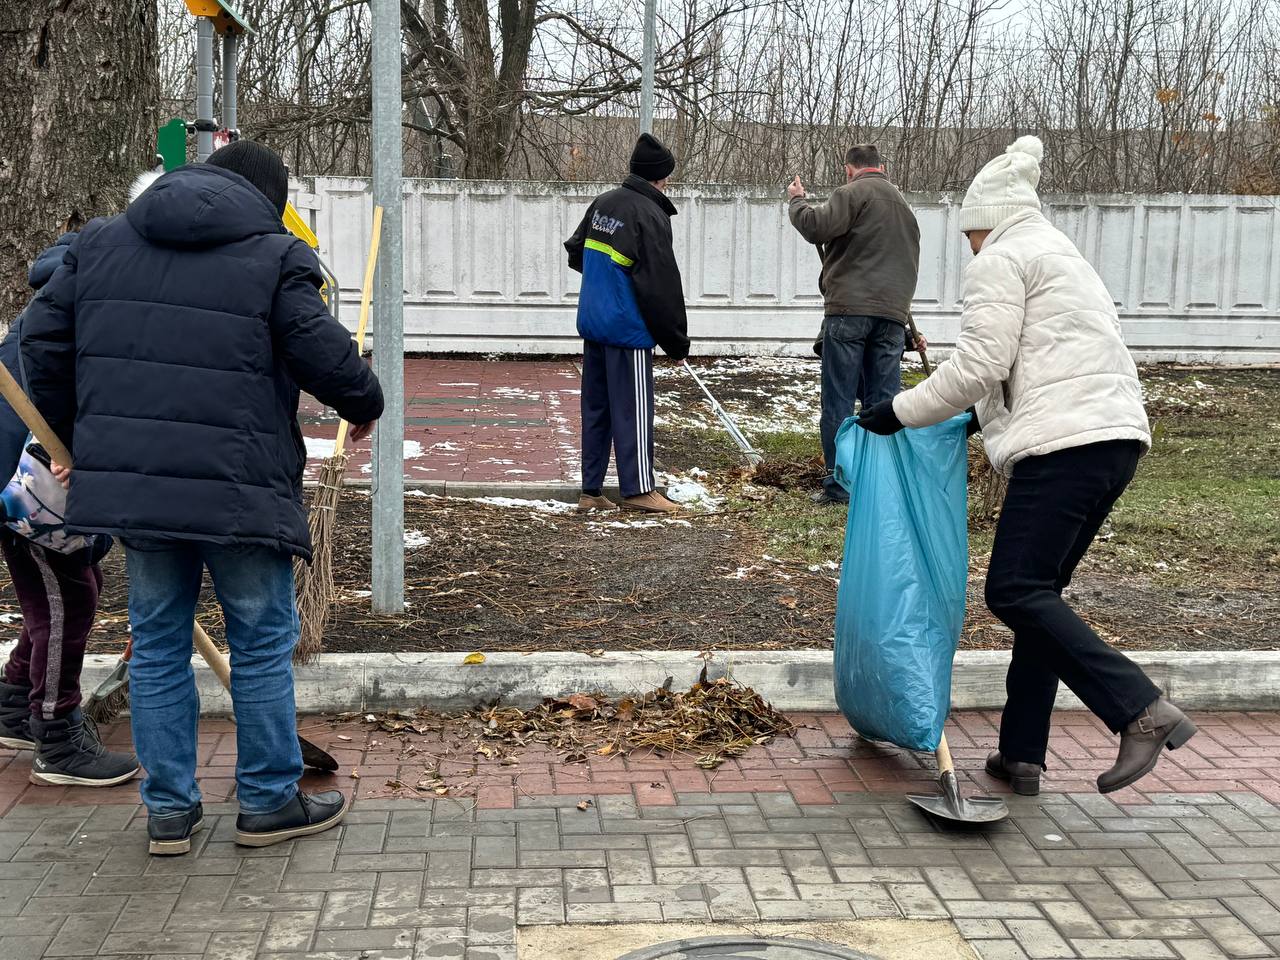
712,721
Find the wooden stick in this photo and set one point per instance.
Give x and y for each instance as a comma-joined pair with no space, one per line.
945,763
212,656
366,297
39,427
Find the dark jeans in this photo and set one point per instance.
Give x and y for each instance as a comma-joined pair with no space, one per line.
861,360
255,589
1054,508
58,595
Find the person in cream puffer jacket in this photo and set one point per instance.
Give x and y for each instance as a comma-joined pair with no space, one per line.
1041,364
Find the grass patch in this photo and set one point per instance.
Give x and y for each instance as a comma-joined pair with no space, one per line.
1204,506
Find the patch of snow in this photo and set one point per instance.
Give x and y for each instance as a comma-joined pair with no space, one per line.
689,492
415,538
319,448
10,618
460,384
538,506
446,446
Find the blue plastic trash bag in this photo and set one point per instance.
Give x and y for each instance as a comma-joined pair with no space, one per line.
900,607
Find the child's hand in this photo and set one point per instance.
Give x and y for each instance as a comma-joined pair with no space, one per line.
61,474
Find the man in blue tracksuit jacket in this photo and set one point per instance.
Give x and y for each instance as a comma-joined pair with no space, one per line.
631,301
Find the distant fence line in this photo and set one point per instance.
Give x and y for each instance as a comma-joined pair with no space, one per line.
1194,277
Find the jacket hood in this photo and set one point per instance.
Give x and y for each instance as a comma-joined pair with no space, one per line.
48,261
642,186
202,206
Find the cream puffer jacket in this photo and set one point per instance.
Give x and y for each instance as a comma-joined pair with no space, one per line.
1040,353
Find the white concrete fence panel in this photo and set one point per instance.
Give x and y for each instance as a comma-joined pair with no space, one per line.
1194,277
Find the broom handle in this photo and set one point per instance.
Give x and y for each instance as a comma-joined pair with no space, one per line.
39,427
212,655
366,297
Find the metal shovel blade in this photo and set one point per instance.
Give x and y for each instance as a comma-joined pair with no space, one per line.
949,805
316,758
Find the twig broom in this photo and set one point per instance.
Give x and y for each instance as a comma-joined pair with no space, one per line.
315,581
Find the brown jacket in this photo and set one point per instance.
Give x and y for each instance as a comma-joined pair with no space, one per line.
870,245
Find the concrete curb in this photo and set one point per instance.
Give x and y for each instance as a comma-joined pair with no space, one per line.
798,680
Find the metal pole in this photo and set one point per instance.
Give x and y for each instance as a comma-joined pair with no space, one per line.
646,66
204,88
230,117
388,313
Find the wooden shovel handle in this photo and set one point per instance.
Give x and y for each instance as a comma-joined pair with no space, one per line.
945,763
212,655
39,427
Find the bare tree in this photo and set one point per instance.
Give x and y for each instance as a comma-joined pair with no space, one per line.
78,85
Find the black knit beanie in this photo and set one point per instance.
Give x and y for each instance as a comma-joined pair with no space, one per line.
651,160
260,165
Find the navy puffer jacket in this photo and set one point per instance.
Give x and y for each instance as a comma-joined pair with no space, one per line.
168,350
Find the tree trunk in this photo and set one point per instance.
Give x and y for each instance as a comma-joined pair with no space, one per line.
79,86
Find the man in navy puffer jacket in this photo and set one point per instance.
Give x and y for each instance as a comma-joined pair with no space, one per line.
168,350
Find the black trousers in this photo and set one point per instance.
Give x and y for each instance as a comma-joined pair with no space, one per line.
1055,506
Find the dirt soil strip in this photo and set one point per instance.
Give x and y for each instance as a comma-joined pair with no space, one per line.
483,576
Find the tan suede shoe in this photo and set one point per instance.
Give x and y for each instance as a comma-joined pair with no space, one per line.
652,502
586,503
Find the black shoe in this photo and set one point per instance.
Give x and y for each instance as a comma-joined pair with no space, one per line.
15,717
1024,777
302,816
170,833
1159,726
69,754
825,498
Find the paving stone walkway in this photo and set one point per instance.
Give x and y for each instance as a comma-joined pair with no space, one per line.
806,829
474,421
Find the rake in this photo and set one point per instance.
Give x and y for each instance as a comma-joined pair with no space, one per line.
315,581
726,421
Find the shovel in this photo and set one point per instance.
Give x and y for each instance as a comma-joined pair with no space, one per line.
950,805
312,756
12,391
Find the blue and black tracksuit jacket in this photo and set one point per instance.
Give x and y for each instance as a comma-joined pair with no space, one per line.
631,292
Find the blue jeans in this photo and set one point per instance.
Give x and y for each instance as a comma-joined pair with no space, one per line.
254,586
861,360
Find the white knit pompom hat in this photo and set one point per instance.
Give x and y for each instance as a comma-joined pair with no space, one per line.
1004,187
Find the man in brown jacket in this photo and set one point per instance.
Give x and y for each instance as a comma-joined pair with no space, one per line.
870,246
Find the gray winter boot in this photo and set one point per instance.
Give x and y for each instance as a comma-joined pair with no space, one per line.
15,717
70,754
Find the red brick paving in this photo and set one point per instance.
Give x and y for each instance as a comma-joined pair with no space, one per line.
1233,752
486,421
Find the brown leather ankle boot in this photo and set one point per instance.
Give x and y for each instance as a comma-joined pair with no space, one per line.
1160,725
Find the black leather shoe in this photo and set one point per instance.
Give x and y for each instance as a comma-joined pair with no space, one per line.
1160,725
170,833
304,815
1024,777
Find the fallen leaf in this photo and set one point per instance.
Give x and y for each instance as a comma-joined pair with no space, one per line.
788,601
580,701
472,659
604,751
355,774
585,805
598,652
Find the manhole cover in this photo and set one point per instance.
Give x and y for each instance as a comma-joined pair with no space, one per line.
745,948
